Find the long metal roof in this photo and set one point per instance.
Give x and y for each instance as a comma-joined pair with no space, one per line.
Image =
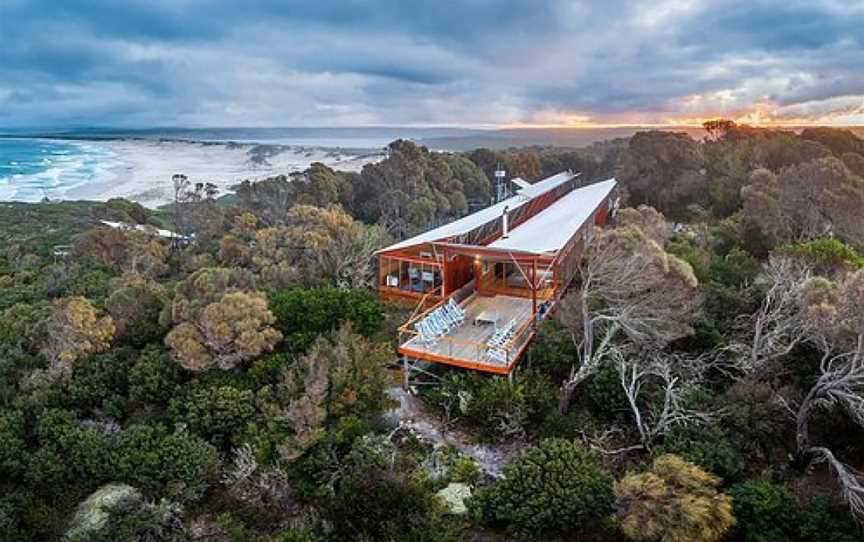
478,218
549,230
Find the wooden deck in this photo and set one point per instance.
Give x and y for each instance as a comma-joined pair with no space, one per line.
465,346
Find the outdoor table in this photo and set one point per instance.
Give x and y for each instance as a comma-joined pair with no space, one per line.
486,317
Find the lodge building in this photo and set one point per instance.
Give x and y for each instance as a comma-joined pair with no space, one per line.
481,283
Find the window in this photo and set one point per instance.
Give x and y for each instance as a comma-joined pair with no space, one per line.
408,276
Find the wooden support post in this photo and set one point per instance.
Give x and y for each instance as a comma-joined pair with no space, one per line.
445,286
406,372
534,287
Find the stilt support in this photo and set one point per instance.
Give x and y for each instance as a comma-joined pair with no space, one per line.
406,372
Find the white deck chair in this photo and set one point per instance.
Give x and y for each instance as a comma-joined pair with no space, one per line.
456,310
439,325
497,354
425,337
449,316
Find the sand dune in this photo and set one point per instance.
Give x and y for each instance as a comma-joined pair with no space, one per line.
144,168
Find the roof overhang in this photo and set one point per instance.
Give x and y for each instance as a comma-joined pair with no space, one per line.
487,253
484,216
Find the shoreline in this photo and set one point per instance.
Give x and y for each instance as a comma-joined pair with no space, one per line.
140,169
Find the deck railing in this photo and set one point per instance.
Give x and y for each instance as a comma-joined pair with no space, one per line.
460,350
420,312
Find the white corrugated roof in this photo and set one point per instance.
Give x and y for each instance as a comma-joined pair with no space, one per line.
550,229
478,218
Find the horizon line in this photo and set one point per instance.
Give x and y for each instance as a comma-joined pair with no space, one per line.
422,126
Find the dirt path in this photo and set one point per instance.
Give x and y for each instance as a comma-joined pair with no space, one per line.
491,458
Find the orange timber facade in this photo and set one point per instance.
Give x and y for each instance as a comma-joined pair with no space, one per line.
483,282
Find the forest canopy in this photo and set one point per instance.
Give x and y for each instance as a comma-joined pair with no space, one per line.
701,379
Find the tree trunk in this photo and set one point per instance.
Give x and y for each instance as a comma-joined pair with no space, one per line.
565,395
802,422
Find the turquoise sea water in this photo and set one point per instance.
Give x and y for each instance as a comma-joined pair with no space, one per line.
33,169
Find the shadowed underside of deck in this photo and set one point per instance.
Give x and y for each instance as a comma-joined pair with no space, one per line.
464,346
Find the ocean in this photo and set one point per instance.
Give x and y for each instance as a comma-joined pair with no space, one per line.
34,169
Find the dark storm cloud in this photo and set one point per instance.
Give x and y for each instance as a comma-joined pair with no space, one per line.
386,61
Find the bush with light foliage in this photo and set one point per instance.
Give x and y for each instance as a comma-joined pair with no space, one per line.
219,326
76,329
673,501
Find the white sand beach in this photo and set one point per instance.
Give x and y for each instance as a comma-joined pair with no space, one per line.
141,170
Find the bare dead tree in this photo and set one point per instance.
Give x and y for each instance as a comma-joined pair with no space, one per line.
835,327
851,481
840,385
194,208
630,288
779,325
248,481
675,376
349,256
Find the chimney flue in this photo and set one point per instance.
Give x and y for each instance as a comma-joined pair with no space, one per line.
505,230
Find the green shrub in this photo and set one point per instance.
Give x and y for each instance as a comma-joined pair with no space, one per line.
154,377
124,210
699,258
552,352
216,413
826,254
86,279
69,454
493,407
557,487
764,512
24,516
755,420
707,447
496,409
303,314
734,269
13,447
605,393
821,520
136,306
571,425
21,288
176,464
301,535
379,506
22,326
99,384
466,471
266,369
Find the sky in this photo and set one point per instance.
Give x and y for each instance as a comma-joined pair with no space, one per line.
473,63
